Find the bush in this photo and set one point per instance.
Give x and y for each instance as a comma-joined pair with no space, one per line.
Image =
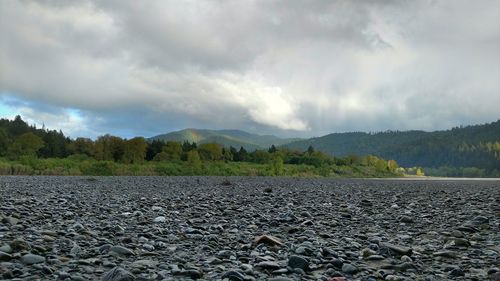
19,169
168,169
5,169
99,168
78,157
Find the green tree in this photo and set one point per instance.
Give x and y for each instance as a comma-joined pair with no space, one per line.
56,144
315,158
392,165
272,149
227,155
241,155
154,148
261,156
187,146
109,148
193,158
4,142
277,166
134,150
210,151
420,172
173,150
18,126
82,146
27,144
310,149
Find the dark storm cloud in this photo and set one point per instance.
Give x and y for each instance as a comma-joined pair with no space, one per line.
294,67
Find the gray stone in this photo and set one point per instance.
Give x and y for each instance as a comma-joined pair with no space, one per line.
160,219
233,276
193,273
118,274
18,245
76,250
10,220
6,249
406,219
120,250
446,254
5,257
457,272
349,268
401,250
30,259
268,265
298,262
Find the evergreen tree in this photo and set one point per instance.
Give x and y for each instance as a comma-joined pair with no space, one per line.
154,148
27,144
272,149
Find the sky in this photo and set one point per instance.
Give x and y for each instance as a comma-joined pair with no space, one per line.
289,68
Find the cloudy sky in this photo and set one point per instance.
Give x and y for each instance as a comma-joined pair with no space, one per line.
292,68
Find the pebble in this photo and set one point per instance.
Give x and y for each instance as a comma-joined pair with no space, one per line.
118,274
344,230
298,262
160,219
5,257
120,250
30,259
349,268
233,276
268,265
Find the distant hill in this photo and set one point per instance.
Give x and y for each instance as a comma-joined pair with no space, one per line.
235,138
470,146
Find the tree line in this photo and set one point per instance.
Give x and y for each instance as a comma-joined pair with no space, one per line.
461,151
19,140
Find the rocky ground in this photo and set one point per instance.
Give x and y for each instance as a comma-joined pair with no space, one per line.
210,228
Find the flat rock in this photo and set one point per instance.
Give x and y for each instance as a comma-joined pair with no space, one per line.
233,276
120,250
268,265
268,240
118,274
30,259
400,250
160,219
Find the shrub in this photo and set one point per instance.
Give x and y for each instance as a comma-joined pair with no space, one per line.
99,168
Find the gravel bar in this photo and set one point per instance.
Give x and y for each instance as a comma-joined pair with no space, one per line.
247,228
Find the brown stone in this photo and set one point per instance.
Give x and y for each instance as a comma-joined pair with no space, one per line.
268,240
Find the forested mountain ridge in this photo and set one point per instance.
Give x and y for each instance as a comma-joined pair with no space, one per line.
469,146
471,151
235,138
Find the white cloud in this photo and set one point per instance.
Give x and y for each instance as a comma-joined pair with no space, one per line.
312,67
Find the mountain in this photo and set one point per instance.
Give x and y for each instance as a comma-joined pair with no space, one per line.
235,138
470,146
